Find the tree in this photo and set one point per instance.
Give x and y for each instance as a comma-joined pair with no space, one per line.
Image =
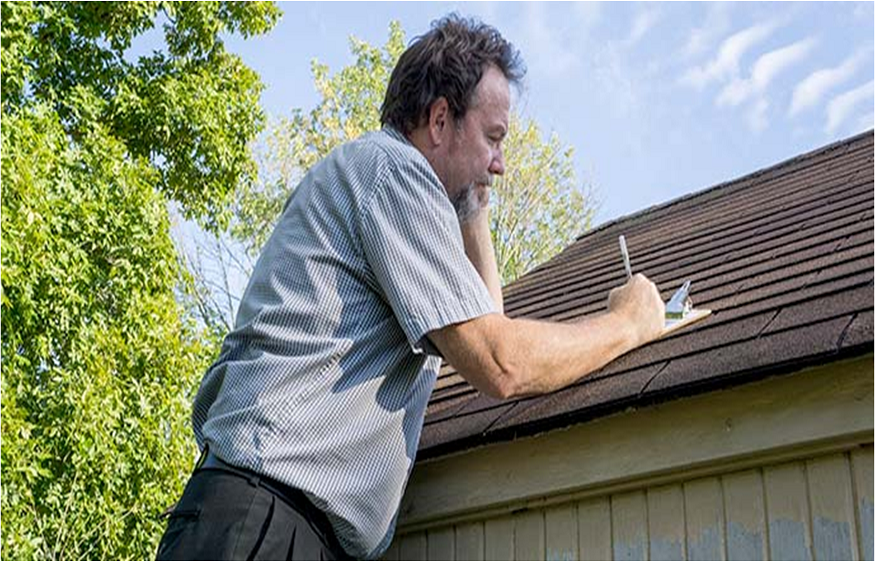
99,362
217,267
538,207
350,106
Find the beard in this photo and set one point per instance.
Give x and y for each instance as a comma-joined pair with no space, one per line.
468,203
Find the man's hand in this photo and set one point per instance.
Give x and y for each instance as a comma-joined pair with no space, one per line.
639,303
478,244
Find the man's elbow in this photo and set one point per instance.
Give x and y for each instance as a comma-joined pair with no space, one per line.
504,380
487,354
513,367
492,380
500,387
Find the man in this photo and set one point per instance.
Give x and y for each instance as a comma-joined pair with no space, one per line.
380,263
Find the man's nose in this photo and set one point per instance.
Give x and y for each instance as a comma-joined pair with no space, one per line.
497,165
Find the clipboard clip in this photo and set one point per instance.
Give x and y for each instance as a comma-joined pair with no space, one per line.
680,305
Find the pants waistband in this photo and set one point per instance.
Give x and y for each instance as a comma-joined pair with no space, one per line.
292,496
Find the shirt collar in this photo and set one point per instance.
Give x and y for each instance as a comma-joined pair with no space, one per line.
396,134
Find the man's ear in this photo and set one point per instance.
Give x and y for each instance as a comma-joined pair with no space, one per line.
438,120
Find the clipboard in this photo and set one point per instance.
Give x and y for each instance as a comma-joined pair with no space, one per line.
695,315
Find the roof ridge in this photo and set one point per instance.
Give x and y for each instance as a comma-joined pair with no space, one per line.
726,184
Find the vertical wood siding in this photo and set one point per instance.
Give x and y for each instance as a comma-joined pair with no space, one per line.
470,541
814,509
665,523
744,500
594,528
561,526
498,538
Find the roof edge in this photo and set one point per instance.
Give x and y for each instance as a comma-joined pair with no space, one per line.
787,368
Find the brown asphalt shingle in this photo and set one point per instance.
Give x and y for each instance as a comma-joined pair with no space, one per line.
784,258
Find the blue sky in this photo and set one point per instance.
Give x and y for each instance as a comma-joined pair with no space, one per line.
658,99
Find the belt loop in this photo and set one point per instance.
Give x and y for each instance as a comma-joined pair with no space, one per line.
203,457
254,479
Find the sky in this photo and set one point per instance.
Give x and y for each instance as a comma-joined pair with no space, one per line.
659,100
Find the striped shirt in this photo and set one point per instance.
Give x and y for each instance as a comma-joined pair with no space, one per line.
324,380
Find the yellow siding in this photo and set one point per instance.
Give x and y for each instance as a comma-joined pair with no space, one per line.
528,537
629,525
392,553
561,529
788,514
469,541
703,508
861,468
441,543
812,412
818,507
745,516
832,508
499,538
594,528
412,547
665,522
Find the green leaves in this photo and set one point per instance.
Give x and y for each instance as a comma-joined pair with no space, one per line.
191,111
94,354
99,363
193,120
537,207
350,107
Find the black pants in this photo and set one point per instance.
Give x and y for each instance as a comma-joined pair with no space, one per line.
235,515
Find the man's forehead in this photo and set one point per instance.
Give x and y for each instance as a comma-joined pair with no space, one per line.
493,84
492,95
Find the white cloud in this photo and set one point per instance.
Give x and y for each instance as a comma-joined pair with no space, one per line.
809,92
716,24
644,22
615,81
546,47
863,11
756,117
725,64
841,106
764,71
588,14
488,12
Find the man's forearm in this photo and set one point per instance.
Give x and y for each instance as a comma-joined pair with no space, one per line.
478,247
512,357
556,355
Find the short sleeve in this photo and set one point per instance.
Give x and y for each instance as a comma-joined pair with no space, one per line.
413,243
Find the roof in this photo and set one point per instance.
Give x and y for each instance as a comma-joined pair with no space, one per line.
783,256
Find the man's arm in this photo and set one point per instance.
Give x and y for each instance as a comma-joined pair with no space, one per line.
479,249
507,358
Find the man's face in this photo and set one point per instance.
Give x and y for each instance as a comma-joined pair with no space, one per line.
475,151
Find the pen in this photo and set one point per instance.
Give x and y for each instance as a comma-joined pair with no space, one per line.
625,253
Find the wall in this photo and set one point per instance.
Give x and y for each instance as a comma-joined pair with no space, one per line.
816,508
779,468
